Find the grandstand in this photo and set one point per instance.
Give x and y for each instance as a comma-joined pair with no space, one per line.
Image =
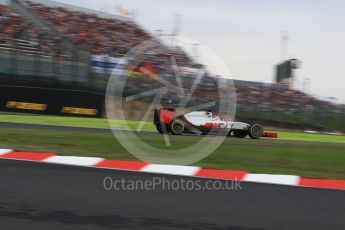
52,47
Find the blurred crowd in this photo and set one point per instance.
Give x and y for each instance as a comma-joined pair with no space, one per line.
278,98
14,28
251,97
97,35
12,25
89,32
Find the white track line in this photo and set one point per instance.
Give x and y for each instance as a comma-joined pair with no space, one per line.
272,179
171,169
4,151
71,160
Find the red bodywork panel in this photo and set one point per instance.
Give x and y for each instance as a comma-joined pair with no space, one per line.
269,134
166,116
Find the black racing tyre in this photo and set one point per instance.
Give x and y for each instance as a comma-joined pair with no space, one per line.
160,128
255,131
241,133
231,133
177,127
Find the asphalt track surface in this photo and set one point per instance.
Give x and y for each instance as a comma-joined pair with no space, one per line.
101,130
47,196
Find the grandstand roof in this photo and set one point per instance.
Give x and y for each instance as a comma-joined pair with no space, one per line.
77,8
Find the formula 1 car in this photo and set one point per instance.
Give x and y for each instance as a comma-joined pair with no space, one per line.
203,122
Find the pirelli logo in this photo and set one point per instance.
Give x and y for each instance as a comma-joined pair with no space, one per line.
26,105
82,111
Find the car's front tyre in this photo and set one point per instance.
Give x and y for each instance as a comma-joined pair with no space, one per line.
255,131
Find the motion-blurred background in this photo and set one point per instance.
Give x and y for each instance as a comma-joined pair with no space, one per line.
56,59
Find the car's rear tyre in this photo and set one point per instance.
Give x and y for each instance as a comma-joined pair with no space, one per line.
240,133
231,133
177,127
255,131
160,128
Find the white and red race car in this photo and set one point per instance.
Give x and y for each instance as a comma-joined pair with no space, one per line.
203,122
